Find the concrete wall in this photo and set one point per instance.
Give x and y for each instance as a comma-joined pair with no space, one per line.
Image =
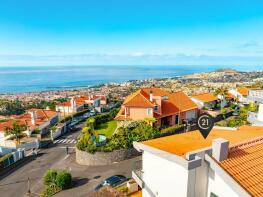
26,146
103,158
218,186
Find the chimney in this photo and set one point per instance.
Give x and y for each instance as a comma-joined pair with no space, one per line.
220,149
151,96
33,117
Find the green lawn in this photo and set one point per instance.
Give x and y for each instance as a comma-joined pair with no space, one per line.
107,128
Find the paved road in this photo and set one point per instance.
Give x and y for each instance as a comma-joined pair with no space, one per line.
85,178
16,184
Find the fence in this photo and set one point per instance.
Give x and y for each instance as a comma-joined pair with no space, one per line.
11,158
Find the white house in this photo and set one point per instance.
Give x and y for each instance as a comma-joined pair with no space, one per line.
240,94
205,100
78,103
226,164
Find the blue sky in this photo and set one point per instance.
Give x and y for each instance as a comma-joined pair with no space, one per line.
88,32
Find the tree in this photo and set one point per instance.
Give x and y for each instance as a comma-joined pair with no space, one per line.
16,129
223,92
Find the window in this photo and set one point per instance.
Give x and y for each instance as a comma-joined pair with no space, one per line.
155,107
213,195
149,111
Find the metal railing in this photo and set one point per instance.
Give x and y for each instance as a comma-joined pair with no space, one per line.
137,172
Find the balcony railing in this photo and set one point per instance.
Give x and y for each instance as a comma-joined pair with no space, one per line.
137,173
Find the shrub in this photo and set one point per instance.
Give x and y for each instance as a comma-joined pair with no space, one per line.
94,121
172,130
56,181
64,180
233,106
81,113
50,177
50,191
233,123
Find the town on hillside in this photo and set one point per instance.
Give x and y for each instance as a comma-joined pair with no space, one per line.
126,139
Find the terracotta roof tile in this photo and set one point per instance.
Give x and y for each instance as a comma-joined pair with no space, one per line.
138,99
42,116
245,165
205,97
243,91
174,103
182,101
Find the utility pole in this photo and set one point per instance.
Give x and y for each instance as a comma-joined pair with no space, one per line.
28,187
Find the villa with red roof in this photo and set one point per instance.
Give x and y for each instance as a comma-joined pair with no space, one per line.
205,100
167,108
34,119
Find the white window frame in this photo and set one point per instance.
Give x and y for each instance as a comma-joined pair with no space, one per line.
149,111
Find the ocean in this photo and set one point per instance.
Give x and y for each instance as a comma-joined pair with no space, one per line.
44,78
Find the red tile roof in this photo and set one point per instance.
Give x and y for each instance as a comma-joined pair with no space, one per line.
245,165
182,101
173,103
205,97
138,99
80,100
243,91
42,116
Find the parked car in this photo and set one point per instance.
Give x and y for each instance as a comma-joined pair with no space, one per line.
86,115
92,112
112,181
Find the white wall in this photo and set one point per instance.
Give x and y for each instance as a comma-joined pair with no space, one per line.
218,186
200,104
241,98
163,178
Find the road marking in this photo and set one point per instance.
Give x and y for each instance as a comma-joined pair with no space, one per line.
65,141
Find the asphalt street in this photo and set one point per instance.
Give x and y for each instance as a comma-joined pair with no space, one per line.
85,178
16,184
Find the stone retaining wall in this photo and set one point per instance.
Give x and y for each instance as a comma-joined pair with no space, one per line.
104,158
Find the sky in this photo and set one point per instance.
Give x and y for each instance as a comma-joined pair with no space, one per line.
131,32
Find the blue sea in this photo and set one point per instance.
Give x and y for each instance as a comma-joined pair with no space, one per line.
45,78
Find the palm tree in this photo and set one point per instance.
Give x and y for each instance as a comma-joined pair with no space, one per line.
223,92
16,129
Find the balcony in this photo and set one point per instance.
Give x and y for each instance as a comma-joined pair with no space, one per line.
137,173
